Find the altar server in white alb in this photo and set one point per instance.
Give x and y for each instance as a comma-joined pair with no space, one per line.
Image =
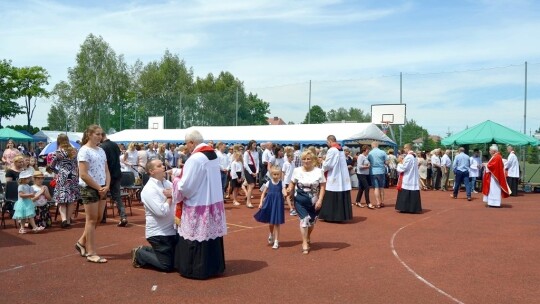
336,205
512,171
408,198
200,252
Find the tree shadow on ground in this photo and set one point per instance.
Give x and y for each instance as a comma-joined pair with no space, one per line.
336,246
240,267
8,240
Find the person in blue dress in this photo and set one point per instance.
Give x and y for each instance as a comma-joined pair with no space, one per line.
24,207
271,207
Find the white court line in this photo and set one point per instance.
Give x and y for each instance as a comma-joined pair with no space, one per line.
48,260
419,277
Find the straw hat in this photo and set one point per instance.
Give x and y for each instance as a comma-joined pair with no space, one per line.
38,174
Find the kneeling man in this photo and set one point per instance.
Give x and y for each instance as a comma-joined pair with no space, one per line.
160,233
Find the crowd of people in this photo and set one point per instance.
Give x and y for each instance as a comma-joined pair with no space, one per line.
186,188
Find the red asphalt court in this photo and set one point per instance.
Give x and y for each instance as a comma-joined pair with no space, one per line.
455,252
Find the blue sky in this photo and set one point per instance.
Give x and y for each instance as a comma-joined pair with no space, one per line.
459,59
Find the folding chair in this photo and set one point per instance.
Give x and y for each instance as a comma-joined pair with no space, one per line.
11,195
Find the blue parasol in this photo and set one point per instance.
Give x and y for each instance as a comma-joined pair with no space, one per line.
51,147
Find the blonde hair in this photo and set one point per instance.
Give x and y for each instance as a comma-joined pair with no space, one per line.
314,159
238,156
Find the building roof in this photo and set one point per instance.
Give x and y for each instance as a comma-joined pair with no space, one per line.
274,121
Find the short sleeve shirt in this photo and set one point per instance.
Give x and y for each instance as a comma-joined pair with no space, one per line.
309,181
96,160
377,158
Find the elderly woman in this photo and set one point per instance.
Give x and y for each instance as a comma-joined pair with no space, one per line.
66,193
17,166
9,153
94,181
310,185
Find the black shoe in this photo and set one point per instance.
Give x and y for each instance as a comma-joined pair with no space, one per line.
64,224
103,221
123,222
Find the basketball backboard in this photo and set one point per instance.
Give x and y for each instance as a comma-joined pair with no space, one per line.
155,122
393,114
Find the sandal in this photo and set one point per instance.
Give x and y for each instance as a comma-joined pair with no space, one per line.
94,258
370,206
305,250
249,205
81,249
378,206
381,205
360,205
38,229
235,203
22,230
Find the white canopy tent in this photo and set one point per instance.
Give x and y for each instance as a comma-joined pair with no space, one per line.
346,133
53,135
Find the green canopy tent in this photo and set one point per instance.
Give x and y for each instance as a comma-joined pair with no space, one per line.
489,132
7,134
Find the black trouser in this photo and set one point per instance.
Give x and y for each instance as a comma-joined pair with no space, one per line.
513,184
160,255
363,187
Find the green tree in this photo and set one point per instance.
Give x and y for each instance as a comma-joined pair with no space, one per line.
532,155
8,91
58,118
412,131
161,86
317,115
30,84
31,129
99,83
353,114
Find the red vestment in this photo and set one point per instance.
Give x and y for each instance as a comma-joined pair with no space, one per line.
496,169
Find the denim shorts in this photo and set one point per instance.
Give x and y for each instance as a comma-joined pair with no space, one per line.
378,180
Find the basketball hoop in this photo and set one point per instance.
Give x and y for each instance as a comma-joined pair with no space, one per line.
385,125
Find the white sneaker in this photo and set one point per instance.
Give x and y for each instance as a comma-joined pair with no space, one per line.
276,245
293,213
270,239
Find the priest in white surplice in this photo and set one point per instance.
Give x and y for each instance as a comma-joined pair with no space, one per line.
408,198
336,206
512,171
200,251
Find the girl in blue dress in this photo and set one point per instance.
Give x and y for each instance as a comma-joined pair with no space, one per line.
24,207
271,207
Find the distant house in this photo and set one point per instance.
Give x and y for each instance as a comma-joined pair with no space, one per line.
275,121
419,142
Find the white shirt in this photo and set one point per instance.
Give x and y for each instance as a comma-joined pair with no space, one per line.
287,169
338,178
159,214
411,177
223,160
236,166
96,162
361,162
248,161
445,161
512,165
474,170
435,161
